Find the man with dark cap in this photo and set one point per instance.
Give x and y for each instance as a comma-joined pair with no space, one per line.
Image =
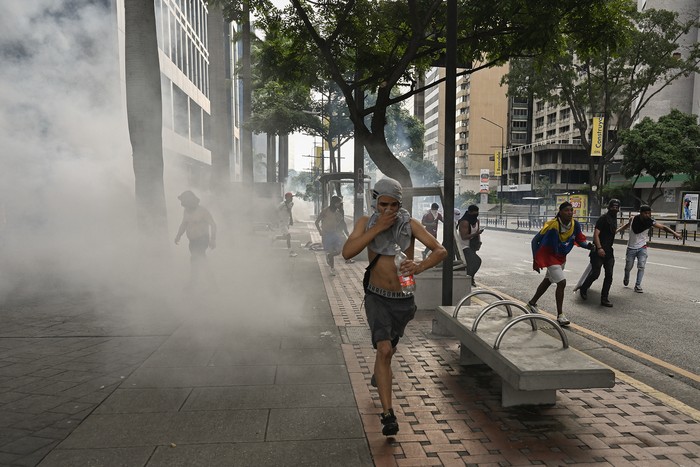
330,223
430,222
637,244
549,249
603,256
389,309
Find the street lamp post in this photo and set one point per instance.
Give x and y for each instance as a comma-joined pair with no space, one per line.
500,177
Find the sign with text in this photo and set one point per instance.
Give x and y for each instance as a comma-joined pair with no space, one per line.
597,137
484,181
497,164
580,204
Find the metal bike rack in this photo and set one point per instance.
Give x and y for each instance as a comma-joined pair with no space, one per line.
531,317
507,303
474,294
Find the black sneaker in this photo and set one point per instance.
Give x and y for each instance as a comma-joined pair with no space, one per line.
626,281
606,302
583,293
390,425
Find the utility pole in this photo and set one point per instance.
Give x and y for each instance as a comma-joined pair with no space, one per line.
500,164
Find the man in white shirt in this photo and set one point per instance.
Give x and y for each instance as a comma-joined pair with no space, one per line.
637,244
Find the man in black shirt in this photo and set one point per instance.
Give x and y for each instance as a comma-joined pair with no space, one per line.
602,256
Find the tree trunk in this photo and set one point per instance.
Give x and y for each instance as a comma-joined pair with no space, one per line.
283,158
144,114
247,171
271,158
219,100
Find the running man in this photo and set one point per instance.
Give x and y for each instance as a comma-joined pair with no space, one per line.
549,249
330,223
639,227
388,309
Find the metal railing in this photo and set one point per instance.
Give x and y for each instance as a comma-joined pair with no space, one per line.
687,228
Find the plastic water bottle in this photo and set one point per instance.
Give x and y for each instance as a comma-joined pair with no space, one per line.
408,283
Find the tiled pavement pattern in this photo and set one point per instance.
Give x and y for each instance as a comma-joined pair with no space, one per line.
68,359
114,383
451,415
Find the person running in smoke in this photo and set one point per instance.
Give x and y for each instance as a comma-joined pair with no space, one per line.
388,308
200,227
603,255
330,223
430,222
549,249
469,239
284,214
639,227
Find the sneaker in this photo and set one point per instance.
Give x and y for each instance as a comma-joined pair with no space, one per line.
626,281
562,320
606,302
638,289
583,293
332,272
293,254
532,308
473,282
390,425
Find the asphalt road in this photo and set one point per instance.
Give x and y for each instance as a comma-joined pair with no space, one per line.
662,322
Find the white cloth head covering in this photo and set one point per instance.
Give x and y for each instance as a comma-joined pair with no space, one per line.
400,233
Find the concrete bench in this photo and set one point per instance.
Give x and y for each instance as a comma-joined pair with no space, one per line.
532,364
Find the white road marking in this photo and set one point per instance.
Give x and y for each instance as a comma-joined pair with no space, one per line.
667,265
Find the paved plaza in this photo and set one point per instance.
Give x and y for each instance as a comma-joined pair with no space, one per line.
279,376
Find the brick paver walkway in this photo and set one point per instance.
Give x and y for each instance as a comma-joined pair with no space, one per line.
451,415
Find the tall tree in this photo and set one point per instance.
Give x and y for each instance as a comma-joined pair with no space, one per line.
219,99
144,114
615,82
378,47
660,149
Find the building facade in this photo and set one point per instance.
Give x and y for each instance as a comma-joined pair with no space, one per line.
197,58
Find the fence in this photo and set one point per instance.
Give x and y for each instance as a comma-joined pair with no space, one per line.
687,228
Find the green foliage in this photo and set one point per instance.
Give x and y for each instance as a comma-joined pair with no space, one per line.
404,133
305,184
381,47
423,173
616,79
465,198
661,149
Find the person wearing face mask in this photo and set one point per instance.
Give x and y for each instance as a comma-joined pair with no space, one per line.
469,238
387,307
602,257
639,226
430,222
330,223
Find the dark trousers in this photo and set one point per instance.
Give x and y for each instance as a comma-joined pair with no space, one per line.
607,263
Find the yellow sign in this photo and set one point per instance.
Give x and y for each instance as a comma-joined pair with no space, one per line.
318,156
597,137
497,164
579,203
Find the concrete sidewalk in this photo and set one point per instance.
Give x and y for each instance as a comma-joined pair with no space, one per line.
285,382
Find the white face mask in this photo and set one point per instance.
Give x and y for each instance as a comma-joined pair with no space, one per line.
434,212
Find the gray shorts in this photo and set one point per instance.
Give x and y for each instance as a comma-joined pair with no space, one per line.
388,317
